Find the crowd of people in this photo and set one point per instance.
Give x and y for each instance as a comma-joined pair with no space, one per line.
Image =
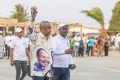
49,58
92,46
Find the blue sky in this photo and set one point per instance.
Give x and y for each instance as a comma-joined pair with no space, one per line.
62,10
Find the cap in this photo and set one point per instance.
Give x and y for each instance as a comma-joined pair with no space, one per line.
19,29
61,25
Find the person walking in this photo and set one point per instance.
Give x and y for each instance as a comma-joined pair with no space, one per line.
41,53
19,54
61,54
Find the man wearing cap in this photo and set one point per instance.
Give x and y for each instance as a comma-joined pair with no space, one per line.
43,41
19,54
61,54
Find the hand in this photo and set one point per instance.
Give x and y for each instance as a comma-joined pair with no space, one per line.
69,51
11,63
72,66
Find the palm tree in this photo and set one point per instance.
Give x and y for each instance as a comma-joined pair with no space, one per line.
20,13
96,14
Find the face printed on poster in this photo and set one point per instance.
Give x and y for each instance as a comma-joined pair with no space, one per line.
42,59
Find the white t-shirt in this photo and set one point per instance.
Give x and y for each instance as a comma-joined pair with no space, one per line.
60,59
28,41
76,39
19,45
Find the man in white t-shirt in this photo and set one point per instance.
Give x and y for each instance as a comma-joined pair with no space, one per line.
62,58
19,54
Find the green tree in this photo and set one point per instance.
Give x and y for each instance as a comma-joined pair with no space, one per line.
97,14
20,13
115,19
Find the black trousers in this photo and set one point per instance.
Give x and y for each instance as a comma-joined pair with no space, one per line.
81,51
7,50
60,74
106,49
20,66
90,48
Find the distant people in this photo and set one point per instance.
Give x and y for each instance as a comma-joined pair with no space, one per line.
112,41
90,46
116,42
100,47
19,54
62,58
81,48
76,45
2,45
84,38
96,45
106,47
8,40
71,40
